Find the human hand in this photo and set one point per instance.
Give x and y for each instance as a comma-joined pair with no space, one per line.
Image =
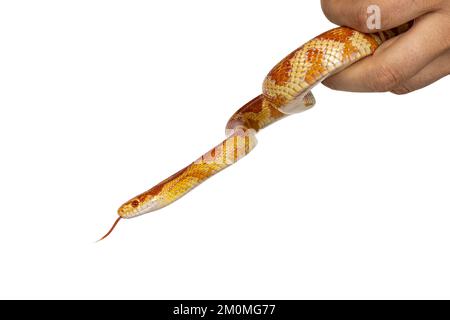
405,63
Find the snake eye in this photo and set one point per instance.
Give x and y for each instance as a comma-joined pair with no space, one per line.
134,203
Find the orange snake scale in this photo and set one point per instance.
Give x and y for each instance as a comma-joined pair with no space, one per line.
286,90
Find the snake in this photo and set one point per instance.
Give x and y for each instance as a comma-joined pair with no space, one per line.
286,90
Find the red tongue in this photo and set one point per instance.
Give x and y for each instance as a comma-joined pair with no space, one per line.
110,230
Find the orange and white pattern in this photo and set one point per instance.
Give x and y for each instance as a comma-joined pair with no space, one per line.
286,90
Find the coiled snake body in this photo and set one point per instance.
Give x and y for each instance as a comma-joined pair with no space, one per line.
286,90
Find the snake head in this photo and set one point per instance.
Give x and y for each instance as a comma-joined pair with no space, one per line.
153,199
143,203
139,205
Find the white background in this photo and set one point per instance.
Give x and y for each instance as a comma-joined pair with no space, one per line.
100,100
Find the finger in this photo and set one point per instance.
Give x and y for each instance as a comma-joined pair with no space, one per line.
439,68
354,13
404,57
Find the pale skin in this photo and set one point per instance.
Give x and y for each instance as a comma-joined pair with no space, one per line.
401,65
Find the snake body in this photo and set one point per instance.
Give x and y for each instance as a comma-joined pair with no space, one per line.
286,90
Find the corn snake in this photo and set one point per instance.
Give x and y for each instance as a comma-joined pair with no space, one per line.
286,91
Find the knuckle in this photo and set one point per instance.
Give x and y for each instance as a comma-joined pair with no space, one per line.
384,78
